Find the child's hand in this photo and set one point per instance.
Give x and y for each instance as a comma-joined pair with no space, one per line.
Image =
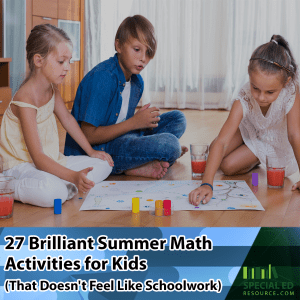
144,107
102,155
146,117
82,182
296,186
202,193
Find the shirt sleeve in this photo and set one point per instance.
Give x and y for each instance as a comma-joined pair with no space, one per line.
95,98
244,98
290,96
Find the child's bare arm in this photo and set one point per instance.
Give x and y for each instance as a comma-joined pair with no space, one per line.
72,127
216,154
293,126
27,117
144,118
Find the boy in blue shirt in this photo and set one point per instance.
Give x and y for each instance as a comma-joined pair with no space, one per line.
144,143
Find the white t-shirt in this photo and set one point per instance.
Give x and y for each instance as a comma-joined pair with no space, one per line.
125,102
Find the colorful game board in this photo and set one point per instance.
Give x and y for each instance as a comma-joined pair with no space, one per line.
117,195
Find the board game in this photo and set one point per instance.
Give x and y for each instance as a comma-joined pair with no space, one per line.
117,195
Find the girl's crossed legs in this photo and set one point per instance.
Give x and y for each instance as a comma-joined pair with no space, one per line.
41,188
238,158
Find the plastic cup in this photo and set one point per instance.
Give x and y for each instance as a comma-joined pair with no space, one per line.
275,171
7,190
199,155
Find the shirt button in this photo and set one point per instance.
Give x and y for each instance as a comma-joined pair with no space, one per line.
120,93
102,148
123,84
120,81
117,114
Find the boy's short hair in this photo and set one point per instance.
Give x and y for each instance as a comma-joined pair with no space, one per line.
140,28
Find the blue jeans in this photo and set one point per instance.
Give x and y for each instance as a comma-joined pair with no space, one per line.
138,147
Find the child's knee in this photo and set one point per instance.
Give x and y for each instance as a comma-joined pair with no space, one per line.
169,147
52,190
179,115
41,192
180,118
227,167
101,170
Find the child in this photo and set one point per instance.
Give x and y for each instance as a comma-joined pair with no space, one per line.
29,136
264,119
141,144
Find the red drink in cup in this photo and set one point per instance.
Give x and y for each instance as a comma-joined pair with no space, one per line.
275,177
6,204
199,155
275,171
198,166
6,196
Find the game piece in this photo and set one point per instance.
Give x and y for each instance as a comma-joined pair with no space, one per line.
167,207
135,205
57,206
255,179
159,208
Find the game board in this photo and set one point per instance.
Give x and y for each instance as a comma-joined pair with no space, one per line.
117,195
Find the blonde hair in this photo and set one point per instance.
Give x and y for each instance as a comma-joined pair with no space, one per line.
139,28
42,40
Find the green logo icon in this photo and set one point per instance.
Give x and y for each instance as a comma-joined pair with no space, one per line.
262,273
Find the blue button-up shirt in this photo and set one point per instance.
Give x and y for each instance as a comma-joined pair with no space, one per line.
98,99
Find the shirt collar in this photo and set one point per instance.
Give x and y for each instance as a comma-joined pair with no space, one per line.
121,76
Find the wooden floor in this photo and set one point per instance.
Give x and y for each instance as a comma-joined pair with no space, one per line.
282,207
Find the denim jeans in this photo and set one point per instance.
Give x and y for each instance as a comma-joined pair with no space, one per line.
138,147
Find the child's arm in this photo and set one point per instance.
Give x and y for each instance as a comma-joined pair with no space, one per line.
216,154
27,117
145,118
293,126
71,126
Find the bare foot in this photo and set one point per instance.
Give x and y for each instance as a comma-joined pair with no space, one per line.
154,169
184,150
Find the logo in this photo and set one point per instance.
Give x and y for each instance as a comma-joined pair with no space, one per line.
266,282
260,273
